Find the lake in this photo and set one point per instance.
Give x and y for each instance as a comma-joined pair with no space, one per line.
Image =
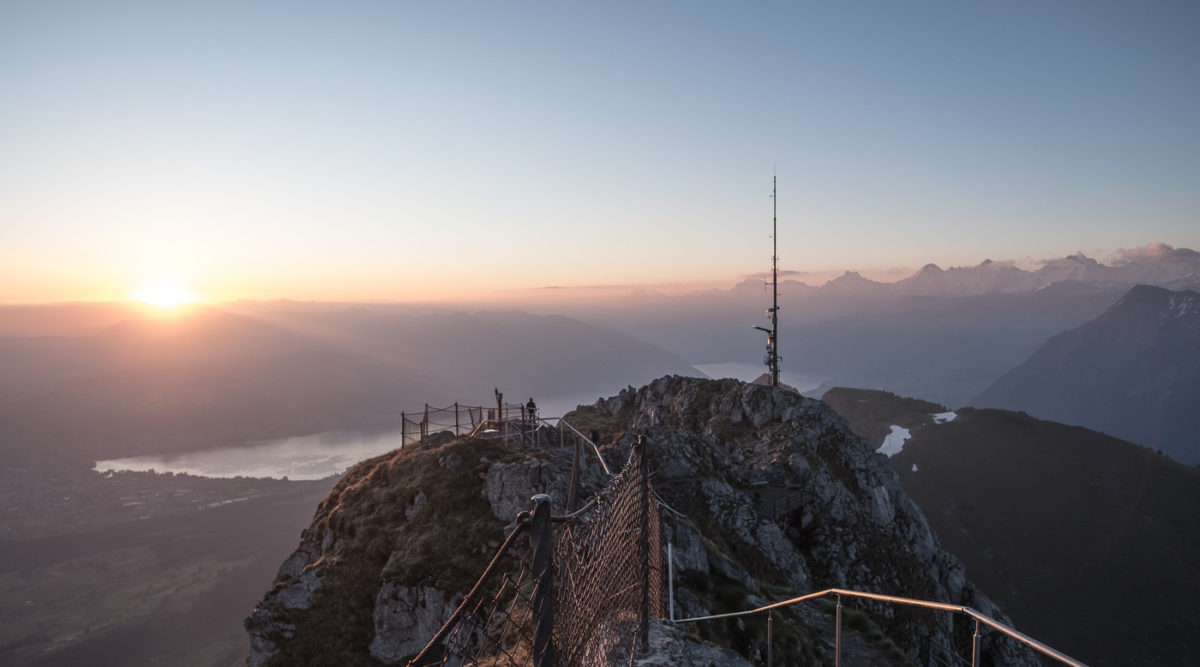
300,457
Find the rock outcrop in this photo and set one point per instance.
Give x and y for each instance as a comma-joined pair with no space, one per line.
767,495
783,496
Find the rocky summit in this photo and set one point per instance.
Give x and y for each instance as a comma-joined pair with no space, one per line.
766,495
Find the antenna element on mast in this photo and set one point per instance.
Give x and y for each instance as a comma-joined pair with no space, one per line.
772,357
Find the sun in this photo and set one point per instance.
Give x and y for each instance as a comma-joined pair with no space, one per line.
164,293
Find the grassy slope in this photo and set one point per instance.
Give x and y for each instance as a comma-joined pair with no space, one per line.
444,544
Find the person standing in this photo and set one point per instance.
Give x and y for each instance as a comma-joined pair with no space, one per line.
531,411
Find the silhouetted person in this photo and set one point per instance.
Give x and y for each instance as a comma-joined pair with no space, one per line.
595,436
531,411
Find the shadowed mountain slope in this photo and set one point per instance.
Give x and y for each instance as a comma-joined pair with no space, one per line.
1089,542
944,349
216,377
1133,372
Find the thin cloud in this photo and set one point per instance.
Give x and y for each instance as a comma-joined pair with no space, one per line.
1154,252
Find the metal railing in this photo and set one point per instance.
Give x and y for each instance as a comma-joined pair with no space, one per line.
595,448
513,421
459,419
840,592
506,420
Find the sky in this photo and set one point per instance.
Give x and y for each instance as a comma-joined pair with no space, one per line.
443,150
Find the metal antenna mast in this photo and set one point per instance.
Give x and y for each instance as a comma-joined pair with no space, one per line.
772,357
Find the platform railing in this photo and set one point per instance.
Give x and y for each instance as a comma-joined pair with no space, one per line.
978,617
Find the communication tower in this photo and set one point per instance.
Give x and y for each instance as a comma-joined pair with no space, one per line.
772,357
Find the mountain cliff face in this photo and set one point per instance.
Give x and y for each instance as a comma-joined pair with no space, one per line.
1133,372
1089,542
768,495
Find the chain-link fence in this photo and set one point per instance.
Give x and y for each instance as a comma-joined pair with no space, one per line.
507,420
456,419
608,571
583,595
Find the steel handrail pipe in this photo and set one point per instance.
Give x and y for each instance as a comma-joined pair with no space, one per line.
476,590
577,513
588,440
748,612
978,616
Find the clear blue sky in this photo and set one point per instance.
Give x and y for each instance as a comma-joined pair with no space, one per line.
415,150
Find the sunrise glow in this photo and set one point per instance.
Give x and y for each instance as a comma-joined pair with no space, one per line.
165,294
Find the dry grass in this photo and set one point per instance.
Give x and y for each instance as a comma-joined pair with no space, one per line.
445,543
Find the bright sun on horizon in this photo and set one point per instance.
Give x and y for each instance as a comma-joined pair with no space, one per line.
165,294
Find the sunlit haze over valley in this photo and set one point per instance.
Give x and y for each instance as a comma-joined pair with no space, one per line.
302,303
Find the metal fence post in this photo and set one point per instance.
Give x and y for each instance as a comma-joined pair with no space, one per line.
573,491
671,584
541,539
975,646
644,544
425,425
770,621
837,634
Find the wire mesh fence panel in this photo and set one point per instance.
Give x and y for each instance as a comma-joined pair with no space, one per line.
608,572
445,419
411,430
456,419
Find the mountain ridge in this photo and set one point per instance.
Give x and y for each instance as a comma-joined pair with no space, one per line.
221,377
1133,371
1155,263
1088,541
717,449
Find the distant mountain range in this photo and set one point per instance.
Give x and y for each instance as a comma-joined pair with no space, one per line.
1133,372
1156,264
944,335
260,371
1089,542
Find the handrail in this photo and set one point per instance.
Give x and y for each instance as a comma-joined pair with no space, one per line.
577,513
562,422
980,617
475,591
